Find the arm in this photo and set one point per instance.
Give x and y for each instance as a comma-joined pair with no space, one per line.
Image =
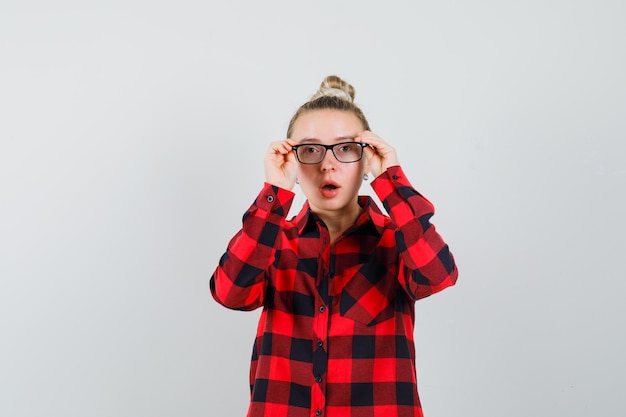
239,281
426,264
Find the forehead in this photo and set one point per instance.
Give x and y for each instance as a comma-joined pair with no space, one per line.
326,126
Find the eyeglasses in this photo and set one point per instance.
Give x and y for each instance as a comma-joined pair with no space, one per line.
345,152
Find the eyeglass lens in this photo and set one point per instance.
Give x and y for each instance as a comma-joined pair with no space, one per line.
344,152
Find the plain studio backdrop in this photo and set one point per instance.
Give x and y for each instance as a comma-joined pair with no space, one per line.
132,138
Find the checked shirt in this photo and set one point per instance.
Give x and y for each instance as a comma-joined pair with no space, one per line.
335,336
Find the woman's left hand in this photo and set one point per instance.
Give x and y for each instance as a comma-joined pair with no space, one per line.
380,155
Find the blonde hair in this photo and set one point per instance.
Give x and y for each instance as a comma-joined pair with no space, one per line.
333,94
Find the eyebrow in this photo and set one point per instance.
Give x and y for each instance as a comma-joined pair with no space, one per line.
337,139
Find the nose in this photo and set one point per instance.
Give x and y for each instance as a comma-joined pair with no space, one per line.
329,162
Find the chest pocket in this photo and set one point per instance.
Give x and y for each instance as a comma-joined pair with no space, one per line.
369,293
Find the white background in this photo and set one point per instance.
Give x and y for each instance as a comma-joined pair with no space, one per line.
132,136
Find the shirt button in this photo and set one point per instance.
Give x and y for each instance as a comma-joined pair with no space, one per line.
318,379
320,343
395,177
322,309
270,198
318,412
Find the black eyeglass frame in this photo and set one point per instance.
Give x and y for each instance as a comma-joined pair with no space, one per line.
326,148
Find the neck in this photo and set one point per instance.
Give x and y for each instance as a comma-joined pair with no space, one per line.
338,221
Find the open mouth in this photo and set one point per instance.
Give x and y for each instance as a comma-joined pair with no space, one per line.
329,189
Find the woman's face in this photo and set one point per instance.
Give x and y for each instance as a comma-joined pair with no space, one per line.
331,187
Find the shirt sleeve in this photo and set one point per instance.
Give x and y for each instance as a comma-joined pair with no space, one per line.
426,264
239,280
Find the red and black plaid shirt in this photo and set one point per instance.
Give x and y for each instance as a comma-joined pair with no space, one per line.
335,337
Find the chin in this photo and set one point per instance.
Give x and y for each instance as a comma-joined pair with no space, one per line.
334,204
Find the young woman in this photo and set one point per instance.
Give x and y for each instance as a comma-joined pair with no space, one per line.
338,282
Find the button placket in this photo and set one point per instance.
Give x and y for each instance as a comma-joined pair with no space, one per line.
320,327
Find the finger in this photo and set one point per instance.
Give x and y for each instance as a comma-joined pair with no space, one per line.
371,139
370,153
273,148
288,144
280,147
289,157
284,148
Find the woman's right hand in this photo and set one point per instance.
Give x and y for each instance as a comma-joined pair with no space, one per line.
280,164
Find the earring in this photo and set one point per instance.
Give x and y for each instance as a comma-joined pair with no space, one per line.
365,177
297,182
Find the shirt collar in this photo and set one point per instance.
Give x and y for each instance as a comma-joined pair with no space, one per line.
306,220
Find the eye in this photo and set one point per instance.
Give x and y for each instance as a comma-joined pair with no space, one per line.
347,147
311,149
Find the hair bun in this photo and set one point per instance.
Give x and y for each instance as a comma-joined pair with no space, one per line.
333,86
333,94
